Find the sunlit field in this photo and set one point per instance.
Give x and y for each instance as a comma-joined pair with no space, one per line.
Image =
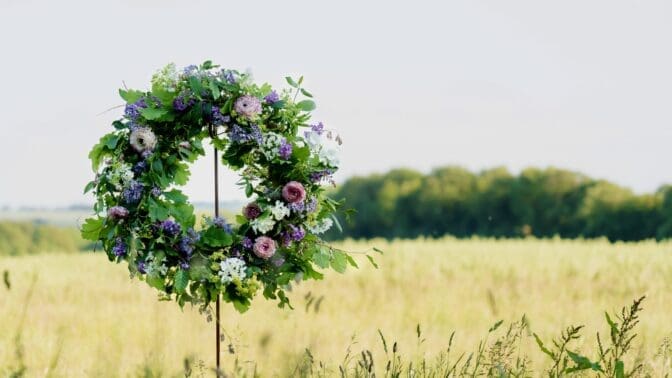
86,318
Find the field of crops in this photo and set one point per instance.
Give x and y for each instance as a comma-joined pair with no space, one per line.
84,317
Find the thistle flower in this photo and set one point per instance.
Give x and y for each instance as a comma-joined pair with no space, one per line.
272,98
297,233
143,139
251,210
117,212
247,243
156,191
247,106
119,248
170,228
264,247
293,192
140,167
133,193
132,111
221,223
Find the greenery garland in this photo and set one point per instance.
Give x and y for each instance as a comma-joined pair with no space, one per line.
283,162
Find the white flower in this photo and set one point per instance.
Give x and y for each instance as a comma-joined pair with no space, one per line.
329,156
262,225
120,175
279,210
324,146
271,146
143,139
232,268
320,227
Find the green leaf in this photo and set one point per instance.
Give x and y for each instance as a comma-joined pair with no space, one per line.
619,369
89,186
157,211
152,114
176,196
582,363
542,347
91,228
321,259
182,174
156,281
351,261
198,268
241,306
112,141
131,95
195,85
306,93
291,82
337,223
216,237
495,326
306,105
372,261
301,153
183,213
215,90
181,280
338,262
248,190
377,250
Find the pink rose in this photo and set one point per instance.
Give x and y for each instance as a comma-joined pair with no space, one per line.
247,106
294,192
264,247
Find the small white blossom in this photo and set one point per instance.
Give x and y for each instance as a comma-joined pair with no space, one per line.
120,175
262,225
279,210
271,146
232,269
320,227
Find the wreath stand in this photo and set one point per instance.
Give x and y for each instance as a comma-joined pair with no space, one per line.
213,134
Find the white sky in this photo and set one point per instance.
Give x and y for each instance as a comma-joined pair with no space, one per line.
584,85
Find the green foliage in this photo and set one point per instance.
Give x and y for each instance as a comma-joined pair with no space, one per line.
541,203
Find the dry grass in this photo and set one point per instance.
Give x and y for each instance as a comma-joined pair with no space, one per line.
86,318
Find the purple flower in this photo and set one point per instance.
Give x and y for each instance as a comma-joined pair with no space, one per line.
277,260
184,265
218,118
117,212
256,134
186,246
285,150
293,192
297,207
264,247
140,167
221,223
311,206
228,75
146,154
272,97
247,243
183,101
133,193
142,267
297,233
119,248
238,135
318,128
190,70
251,211
156,191
170,228
247,106
322,176
132,111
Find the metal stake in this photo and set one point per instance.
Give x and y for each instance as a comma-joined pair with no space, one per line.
213,135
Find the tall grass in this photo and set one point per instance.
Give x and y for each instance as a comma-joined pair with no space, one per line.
443,308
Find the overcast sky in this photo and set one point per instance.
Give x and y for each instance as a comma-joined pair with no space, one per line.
584,85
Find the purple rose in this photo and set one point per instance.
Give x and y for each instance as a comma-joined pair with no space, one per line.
252,211
264,247
247,106
294,192
117,212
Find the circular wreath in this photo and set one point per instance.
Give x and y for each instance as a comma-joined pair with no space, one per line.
265,136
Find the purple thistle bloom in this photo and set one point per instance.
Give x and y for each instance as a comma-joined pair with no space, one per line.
140,167
297,233
142,267
190,70
132,111
186,246
321,176
297,207
133,193
318,128
156,191
184,265
247,243
285,150
182,102
228,75
170,228
272,97
311,206
119,248
218,118
221,223
195,236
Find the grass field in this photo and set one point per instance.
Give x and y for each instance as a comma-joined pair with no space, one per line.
86,318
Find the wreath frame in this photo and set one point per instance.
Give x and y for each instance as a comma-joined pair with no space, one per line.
142,218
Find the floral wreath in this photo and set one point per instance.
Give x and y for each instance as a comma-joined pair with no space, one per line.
283,162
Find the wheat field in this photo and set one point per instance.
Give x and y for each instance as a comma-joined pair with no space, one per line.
84,317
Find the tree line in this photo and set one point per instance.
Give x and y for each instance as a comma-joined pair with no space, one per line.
540,202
